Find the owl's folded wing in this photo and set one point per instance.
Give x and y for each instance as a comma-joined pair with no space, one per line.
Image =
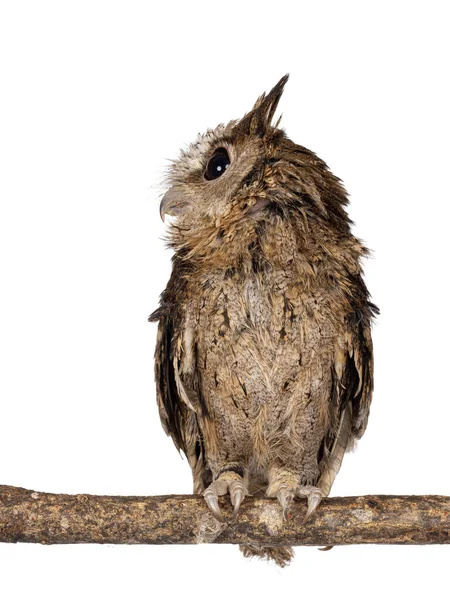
359,374
170,405
178,403
351,396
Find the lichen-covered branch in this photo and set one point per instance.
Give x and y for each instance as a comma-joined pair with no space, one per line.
27,516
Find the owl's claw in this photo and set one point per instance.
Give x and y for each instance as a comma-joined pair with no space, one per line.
237,494
285,497
286,488
314,496
211,500
227,482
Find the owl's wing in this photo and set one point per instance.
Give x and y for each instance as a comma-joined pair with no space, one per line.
358,377
177,402
351,396
171,409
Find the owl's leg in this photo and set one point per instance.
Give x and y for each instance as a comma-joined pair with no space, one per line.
229,480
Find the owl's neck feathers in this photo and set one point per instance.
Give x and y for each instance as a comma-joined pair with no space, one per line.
299,244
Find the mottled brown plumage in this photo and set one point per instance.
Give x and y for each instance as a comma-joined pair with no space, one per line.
264,356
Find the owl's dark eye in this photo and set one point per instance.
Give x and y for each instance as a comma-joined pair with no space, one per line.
217,165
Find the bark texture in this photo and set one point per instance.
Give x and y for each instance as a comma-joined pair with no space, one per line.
36,517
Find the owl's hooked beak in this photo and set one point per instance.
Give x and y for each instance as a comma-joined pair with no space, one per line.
172,203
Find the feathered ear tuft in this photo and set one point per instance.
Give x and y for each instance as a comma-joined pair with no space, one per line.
259,119
266,105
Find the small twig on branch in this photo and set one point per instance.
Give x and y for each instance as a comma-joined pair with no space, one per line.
27,516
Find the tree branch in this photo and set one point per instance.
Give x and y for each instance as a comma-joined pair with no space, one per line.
27,516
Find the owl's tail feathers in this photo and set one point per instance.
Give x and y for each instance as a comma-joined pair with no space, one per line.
281,555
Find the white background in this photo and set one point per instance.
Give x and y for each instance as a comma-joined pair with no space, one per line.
95,97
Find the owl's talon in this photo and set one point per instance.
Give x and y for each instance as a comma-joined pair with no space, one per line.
285,497
237,494
211,500
227,482
314,496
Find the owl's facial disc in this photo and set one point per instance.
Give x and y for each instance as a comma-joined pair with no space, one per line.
207,190
176,200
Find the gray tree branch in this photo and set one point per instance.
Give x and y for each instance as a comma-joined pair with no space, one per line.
36,517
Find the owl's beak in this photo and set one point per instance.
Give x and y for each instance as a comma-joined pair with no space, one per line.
171,203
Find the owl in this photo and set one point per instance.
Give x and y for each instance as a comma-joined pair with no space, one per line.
263,362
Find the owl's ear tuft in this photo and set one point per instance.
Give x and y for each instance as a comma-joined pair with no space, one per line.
266,105
259,119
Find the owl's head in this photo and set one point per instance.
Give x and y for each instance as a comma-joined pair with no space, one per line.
237,175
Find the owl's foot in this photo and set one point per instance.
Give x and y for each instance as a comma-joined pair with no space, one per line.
284,485
314,496
227,482
286,495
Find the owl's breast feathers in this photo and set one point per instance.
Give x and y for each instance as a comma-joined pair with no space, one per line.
243,350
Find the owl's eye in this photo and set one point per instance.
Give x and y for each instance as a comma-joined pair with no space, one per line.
217,165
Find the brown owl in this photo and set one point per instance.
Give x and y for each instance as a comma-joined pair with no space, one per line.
263,361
